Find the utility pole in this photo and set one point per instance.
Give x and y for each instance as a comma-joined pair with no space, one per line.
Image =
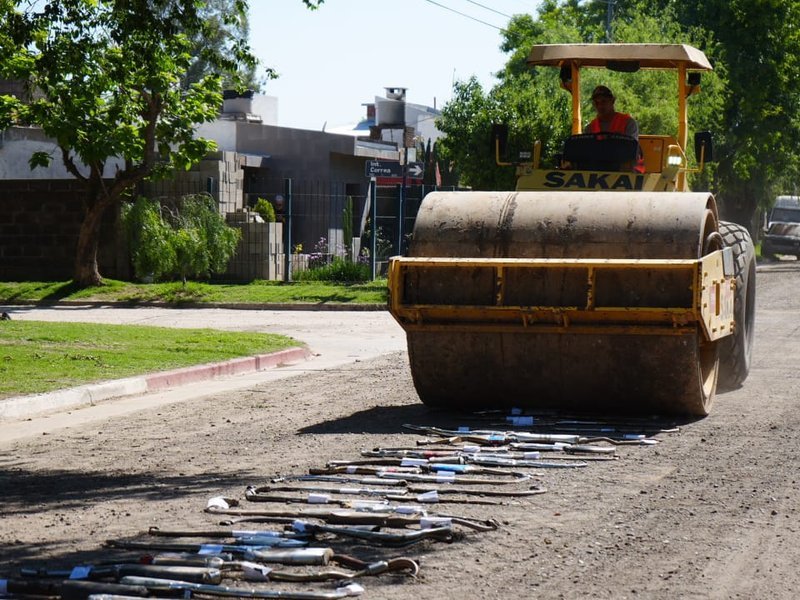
402,200
373,211
609,18
406,155
287,230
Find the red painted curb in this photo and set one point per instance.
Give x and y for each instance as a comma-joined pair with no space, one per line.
235,366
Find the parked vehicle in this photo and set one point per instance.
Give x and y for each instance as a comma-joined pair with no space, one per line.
782,234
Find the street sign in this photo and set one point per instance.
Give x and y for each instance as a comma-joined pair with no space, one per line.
415,169
383,168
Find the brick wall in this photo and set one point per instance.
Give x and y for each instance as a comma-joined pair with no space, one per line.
39,224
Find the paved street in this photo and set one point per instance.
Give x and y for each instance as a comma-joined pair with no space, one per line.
708,511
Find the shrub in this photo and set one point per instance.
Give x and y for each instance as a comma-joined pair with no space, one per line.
320,256
192,240
383,246
149,238
265,209
341,270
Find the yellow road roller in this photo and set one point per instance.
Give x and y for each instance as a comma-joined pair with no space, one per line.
599,285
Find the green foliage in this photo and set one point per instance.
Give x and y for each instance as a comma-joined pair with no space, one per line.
8,111
338,269
107,77
204,243
534,107
227,27
749,102
265,209
121,86
529,102
466,122
759,45
225,30
149,238
192,241
256,292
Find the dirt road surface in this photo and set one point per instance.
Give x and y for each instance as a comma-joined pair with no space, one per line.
712,511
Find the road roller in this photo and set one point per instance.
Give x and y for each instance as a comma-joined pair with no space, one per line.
600,284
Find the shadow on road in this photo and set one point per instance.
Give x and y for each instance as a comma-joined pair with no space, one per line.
31,492
388,419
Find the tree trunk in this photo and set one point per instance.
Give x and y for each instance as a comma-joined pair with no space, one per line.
738,208
86,270
739,205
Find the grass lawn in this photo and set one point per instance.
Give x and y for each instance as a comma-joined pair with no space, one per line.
257,292
40,356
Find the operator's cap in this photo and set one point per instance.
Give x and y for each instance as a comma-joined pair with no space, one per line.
602,90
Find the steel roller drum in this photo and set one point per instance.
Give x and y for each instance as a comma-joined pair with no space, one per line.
457,366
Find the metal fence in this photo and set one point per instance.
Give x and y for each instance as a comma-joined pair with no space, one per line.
311,224
314,216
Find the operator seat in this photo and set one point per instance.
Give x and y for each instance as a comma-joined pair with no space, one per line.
601,152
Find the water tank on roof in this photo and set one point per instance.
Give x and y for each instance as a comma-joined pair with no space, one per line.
234,102
391,112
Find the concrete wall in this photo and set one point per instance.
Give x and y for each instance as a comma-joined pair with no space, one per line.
39,225
222,132
291,153
296,153
17,145
259,254
423,120
266,107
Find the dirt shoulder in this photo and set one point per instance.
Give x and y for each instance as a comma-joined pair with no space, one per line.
710,512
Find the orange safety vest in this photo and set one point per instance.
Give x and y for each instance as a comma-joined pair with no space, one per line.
618,124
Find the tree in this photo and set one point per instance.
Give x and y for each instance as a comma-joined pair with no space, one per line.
466,122
753,46
531,102
531,111
759,131
108,74
224,28
749,101
107,78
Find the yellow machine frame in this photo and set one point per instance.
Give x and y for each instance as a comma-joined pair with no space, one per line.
666,163
712,281
711,306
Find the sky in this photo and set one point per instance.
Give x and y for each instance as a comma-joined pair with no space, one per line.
333,60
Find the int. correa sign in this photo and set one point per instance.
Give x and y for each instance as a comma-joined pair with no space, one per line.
383,168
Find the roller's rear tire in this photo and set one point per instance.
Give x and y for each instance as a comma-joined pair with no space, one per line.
736,349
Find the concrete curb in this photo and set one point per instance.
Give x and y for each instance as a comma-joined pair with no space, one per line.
236,366
317,306
89,394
